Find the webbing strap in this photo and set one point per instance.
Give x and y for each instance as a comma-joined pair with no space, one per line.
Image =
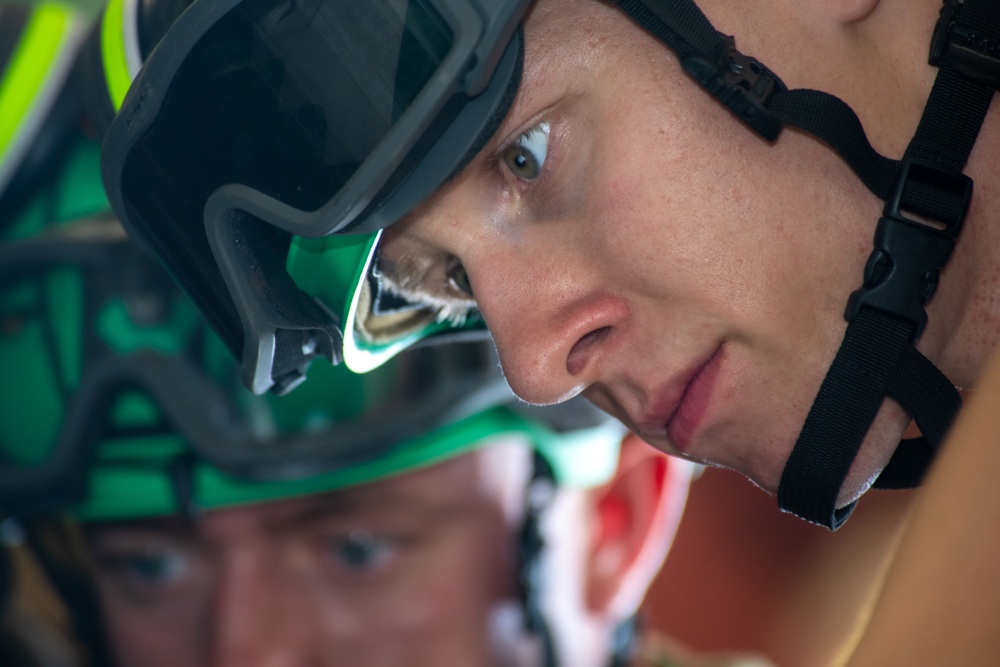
924,392
831,119
876,359
886,316
904,266
839,419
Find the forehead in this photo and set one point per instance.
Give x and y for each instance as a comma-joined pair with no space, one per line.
484,479
575,56
568,45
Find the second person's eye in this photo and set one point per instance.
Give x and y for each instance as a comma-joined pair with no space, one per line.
360,550
525,156
153,569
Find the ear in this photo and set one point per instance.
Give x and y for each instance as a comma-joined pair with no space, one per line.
637,513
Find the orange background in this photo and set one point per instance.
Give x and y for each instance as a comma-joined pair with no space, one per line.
741,575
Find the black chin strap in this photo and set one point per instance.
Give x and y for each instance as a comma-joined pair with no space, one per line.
926,196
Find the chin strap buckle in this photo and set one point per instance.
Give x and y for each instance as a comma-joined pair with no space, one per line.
902,272
968,50
742,83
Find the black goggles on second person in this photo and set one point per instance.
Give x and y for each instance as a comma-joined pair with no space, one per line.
255,120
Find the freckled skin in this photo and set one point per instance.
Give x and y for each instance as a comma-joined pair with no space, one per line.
661,230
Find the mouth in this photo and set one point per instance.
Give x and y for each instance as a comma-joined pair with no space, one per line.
677,412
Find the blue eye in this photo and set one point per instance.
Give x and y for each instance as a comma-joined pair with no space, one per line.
360,550
526,155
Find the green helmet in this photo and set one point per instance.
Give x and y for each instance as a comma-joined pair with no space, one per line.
130,406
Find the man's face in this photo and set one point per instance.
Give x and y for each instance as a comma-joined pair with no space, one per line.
415,570
625,237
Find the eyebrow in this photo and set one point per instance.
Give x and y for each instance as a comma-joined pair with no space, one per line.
369,503
339,505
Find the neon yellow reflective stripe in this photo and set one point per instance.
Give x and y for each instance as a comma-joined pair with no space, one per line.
28,69
113,53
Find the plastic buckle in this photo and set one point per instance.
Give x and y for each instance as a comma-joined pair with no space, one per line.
902,272
974,55
743,84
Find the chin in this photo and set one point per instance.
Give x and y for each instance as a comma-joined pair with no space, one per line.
852,490
878,447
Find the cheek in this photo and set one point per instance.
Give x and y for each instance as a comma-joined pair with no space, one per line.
655,192
152,640
698,211
472,576
440,611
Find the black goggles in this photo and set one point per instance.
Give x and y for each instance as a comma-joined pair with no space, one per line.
97,330
299,118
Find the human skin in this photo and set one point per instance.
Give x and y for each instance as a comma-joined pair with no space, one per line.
683,274
428,577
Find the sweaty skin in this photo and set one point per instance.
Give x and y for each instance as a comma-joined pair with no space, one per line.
683,274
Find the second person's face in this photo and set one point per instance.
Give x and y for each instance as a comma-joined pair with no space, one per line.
417,570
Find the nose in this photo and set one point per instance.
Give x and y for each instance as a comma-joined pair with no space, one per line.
555,334
262,617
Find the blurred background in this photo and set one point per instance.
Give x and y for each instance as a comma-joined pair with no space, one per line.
742,575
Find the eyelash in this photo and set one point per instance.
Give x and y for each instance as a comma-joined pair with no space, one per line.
496,162
377,551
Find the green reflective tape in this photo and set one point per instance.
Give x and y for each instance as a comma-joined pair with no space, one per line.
113,53
131,477
29,68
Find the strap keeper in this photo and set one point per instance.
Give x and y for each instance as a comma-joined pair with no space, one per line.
742,83
974,55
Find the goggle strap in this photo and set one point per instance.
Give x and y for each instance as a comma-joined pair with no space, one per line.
928,395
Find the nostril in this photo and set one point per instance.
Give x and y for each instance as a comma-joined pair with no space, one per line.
577,359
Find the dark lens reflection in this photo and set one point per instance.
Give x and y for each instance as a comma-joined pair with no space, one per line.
287,98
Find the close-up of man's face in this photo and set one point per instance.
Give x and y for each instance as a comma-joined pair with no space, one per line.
395,332
419,569
593,199
625,238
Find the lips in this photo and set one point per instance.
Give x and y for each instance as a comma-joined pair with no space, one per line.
676,411
695,403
